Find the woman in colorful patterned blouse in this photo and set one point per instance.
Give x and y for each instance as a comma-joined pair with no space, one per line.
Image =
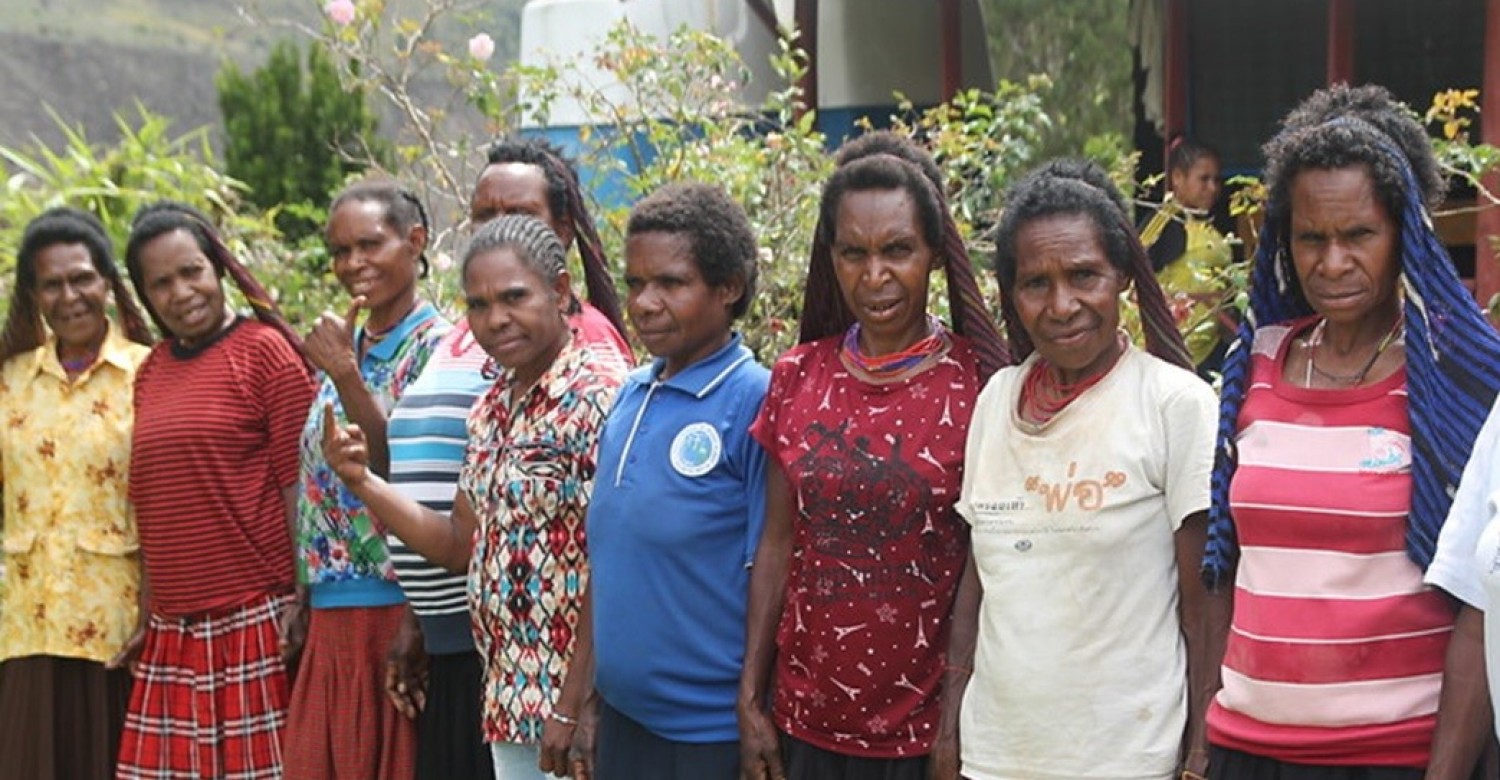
1086,492
72,574
864,423
213,476
341,724
517,520
1362,378
434,671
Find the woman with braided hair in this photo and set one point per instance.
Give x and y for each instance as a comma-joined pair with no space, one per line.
1350,406
854,580
531,176
1086,489
213,473
73,570
341,723
517,520
434,672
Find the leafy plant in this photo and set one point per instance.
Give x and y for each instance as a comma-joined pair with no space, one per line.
293,134
672,115
148,164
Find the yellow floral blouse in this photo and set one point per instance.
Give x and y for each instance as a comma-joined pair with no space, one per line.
72,572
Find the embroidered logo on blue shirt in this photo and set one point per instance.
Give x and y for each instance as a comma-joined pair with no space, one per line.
696,449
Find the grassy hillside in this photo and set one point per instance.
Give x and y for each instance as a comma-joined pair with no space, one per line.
87,59
179,25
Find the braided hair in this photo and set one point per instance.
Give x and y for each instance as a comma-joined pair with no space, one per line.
403,210
530,238
716,228
1071,187
24,329
165,216
566,204
1452,352
886,161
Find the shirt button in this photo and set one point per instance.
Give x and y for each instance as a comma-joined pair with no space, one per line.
1023,545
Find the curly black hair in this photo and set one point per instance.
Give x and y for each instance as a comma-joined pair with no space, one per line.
1310,139
719,232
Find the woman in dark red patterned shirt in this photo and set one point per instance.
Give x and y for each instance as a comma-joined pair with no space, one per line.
864,423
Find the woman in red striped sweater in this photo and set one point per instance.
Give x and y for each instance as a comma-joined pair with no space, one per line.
213,478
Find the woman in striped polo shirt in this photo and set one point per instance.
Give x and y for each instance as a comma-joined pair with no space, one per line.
1349,407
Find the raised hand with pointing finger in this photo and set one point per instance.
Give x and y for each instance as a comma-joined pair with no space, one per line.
345,449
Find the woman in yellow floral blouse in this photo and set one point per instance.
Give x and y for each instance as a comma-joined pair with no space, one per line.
72,573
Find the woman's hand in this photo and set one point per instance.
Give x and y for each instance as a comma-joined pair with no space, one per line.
330,343
126,658
406,668
293,627
581,753
557,743
345,449
760,750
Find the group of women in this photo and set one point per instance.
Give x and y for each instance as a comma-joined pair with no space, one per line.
910,549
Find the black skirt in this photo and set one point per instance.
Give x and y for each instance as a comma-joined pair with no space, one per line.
804,761
450,729
1226,764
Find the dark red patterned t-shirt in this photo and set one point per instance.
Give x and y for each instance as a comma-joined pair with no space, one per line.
877,548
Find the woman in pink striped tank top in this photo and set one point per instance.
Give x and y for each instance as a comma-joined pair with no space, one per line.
1349,407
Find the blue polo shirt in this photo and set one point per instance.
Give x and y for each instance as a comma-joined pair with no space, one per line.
676,513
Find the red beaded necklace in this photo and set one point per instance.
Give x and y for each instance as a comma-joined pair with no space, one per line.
1044,394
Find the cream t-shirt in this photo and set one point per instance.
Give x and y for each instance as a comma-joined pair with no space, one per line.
1467,561
1080,669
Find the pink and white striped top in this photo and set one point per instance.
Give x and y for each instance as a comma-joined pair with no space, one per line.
1335,655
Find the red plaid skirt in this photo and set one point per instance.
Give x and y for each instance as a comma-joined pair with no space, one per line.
341,725
210,697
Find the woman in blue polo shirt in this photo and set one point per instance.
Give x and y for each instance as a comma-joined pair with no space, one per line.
676,512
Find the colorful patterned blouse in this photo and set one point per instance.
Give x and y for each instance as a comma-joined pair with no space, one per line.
73,572
528,473
340,546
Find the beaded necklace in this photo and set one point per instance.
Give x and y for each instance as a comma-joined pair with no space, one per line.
1044,394
895,364
79,365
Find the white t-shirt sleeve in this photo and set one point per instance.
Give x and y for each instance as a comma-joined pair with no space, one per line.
1190,415
1453,568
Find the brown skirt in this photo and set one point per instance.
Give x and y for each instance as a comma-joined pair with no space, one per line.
60,718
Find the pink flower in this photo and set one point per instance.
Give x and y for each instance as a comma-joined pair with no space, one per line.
340,12
482,46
